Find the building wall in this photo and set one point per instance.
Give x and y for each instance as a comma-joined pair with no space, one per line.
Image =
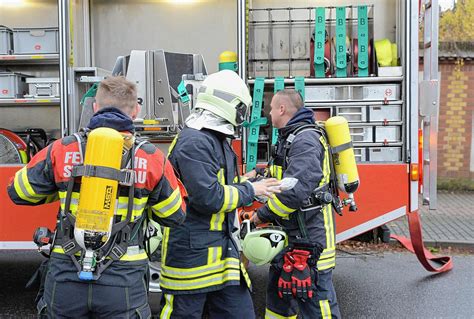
456,120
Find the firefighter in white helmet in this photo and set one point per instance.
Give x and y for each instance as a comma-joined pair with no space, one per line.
200,259
111,281
300,277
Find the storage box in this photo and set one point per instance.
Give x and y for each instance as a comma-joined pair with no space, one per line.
377,92
382,113
13,85
43,87
342,92
390,71
35,40
388,134
363,134
6,40
378,154
385,154
352,113
360,154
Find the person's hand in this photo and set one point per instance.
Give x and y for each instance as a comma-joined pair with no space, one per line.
255,220
251,174
266,187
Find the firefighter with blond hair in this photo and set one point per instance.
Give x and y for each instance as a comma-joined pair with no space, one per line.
98,264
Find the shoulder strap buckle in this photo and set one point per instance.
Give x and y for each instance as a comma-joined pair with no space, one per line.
309,204
118,252
126,177
68,246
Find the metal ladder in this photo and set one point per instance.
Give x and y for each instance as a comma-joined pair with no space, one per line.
429,102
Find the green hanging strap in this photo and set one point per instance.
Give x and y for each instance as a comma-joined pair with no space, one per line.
363,42
278,86
90,93
341,50
255,122
299,85
319,42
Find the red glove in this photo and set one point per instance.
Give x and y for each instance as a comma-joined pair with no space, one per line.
284,282
301,275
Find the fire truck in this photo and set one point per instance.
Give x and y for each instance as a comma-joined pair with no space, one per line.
356,59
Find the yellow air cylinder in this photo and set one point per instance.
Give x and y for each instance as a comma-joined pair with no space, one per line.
345,165
96,208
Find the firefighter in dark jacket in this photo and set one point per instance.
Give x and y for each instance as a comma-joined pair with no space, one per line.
200,259
300,278
121,290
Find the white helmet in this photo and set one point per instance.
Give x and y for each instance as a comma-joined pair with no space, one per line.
226,95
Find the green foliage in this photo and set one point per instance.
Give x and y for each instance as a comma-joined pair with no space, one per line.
433,250
458,24
455,184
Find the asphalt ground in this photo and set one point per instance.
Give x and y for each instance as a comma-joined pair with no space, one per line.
372,281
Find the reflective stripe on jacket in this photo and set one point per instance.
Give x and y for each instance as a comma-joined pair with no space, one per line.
201,255
45,179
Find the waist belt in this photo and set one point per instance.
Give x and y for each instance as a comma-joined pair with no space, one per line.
131,250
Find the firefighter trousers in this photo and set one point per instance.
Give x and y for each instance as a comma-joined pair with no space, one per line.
231,302
322,305
121,292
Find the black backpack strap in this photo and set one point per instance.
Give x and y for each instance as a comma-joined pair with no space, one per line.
300,215
67,220
336,202
291,137
313,201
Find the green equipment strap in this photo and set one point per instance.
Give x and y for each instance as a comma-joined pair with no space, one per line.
278,86
302,224
299,85
90,93
228,66
363,42
341,50
252,144
319,41
183,93
255,124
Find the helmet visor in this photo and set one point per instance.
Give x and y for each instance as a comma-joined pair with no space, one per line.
240,113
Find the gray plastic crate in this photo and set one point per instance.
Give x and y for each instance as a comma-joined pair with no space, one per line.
6,40
385,154
35,40
378,154
41,87
13,85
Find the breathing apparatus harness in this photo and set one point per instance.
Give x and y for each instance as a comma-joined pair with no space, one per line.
122,233
325,194
297,276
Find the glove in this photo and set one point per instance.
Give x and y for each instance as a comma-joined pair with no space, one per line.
284,282
301,275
